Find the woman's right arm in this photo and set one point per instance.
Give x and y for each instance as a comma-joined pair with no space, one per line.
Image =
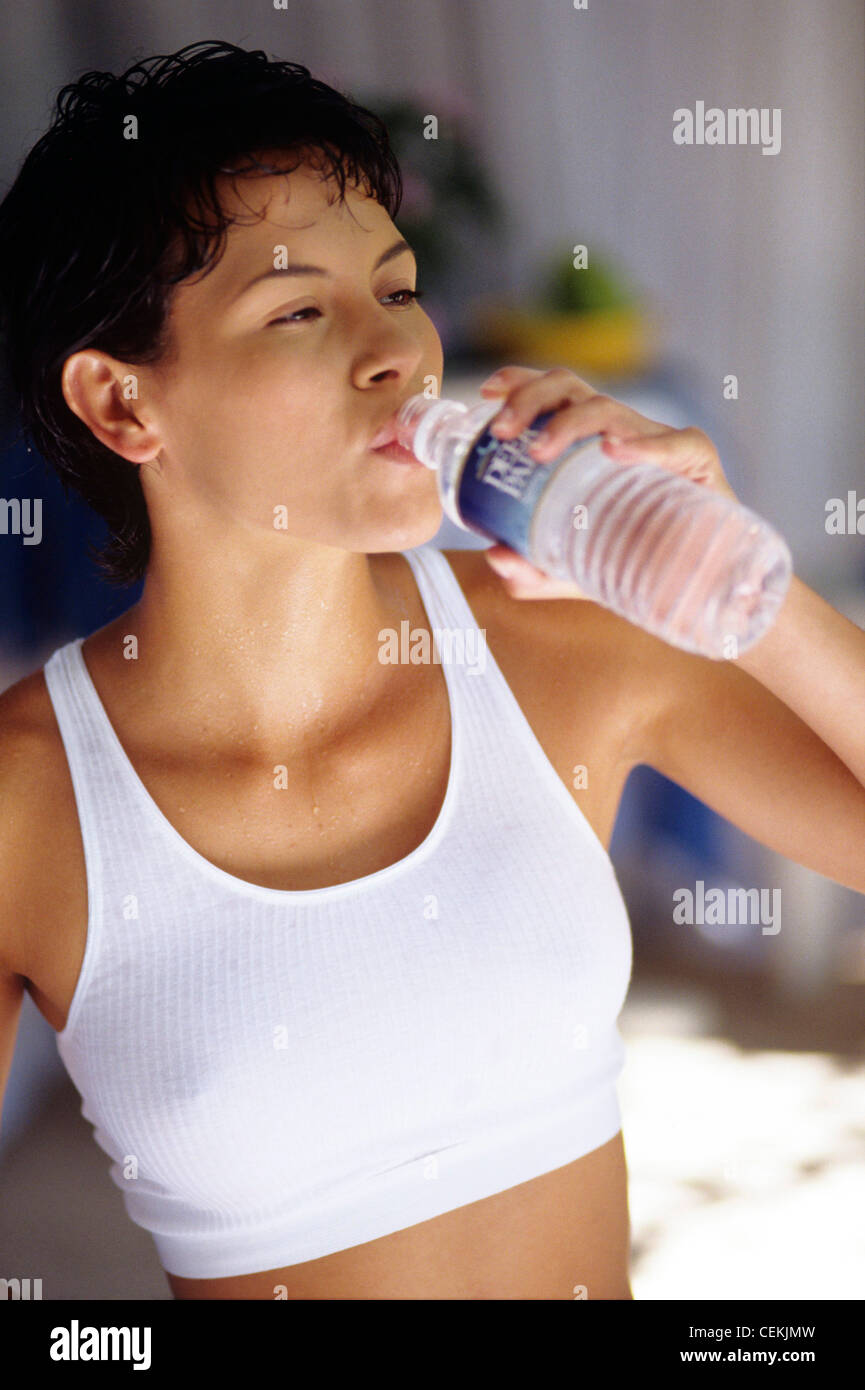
11,982
24,851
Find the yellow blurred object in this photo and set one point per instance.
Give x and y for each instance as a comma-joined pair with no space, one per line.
610,342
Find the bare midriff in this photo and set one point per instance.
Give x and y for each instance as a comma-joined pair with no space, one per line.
563,1234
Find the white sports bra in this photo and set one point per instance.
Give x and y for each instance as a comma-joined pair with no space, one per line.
278,1075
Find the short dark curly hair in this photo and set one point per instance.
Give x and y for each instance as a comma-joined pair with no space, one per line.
97,229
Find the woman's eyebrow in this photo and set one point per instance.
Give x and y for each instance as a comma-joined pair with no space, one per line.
398,249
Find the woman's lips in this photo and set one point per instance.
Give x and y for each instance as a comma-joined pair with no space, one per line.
397,454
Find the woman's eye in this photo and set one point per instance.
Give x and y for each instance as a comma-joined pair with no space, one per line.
289,318
412,294
292,318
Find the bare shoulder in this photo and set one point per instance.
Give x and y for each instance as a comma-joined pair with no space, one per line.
561,621
574,650
40,847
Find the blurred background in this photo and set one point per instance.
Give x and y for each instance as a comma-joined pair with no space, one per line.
525,132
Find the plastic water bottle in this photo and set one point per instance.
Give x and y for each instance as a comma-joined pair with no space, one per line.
692,567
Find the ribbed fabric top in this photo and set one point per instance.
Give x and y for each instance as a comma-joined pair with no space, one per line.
278,1075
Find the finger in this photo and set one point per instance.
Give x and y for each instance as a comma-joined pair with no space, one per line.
515,567
554,389
524,580
513,381
506,378
502,558
597,415
546,588
688,452
685,449
676,445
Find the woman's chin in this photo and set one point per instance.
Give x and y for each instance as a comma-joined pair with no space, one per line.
417,527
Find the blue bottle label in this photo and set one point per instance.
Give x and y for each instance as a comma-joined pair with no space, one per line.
500,486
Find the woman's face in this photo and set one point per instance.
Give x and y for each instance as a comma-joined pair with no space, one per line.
277,382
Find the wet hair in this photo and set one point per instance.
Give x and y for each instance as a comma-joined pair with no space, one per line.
97,229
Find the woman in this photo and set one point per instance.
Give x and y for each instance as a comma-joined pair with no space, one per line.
333,947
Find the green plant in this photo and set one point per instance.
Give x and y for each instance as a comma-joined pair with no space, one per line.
566,290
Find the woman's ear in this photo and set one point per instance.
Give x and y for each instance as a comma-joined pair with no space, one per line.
103,393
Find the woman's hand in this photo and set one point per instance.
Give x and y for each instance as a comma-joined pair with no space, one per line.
627,438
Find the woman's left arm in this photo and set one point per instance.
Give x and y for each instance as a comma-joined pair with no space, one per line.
813,658
774,740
